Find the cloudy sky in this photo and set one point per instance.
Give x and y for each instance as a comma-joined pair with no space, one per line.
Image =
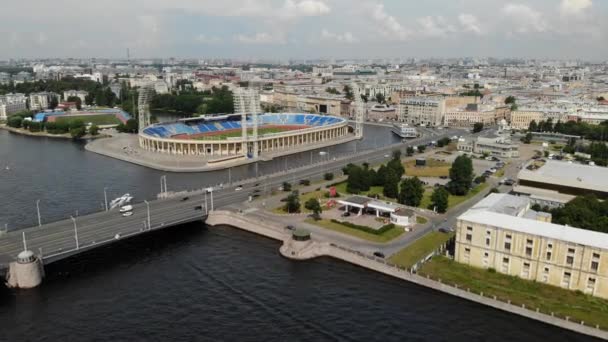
304,28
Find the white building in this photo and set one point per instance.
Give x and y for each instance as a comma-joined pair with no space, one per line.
424,111
493,146
78,93
12,103
42,100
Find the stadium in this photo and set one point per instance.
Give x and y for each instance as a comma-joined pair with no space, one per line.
221,137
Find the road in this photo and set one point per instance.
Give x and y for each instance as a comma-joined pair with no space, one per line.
64,238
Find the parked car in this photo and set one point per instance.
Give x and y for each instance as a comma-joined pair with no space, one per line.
443,177
127,213
509,182
446,230
346,214
379,254
290,227
184,199
238,188
198,207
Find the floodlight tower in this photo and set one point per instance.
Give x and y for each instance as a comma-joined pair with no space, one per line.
359,112
143,105
241,108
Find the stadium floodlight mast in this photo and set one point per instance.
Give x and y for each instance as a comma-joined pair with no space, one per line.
359,111
248,101
143,105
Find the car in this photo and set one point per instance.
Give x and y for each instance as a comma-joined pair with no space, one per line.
290,227
198,207
509,182
238,188
184,199
346,214
492,170
446,230
126,208
127,213
443,177
386,156
379,254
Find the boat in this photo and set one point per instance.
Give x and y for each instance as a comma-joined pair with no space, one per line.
120,201
404,131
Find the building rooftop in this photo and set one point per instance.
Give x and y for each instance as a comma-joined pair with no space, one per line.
489,211
568,174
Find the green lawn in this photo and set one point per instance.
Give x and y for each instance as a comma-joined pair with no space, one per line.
422,247
452,200
101,119
385,237
576,305
433,168
234,134
421,220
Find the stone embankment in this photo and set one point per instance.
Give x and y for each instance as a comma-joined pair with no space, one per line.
298,250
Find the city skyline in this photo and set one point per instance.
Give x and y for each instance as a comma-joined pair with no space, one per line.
282,29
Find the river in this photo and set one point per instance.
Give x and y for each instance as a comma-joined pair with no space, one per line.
207,284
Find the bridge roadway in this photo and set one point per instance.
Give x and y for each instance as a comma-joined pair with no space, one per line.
57,240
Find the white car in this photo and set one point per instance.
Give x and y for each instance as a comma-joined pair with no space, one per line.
127,213
238,188
126,208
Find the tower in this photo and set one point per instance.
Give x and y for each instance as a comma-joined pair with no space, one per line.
248,101
359,112
143,105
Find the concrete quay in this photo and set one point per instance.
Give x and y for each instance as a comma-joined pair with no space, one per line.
314,248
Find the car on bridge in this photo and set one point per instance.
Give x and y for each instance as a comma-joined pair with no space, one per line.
126,208
127,213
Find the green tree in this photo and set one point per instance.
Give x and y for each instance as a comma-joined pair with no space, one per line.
365,98
286,186
533,126
54,102
527,139
94,130
421,148
461,176
477,127
328,176
439,199
314,206
510,100
331,90
15,121
391,184
292,205
409,151
412,191
77,132
380,98
348,92
76,100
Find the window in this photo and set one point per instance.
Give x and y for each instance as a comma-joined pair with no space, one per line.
549,245
569,260
590,285
529,251
566,280
467,254
469,235
488,241
525,271
486,255
595,262
508,242
570,250
545,274
505,265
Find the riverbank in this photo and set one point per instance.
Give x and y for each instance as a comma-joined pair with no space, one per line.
319,248
48,135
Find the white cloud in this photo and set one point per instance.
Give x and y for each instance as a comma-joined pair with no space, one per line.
305,8
204,39
524,19
388,25
574,7
260,38
469,23
346,37
435,26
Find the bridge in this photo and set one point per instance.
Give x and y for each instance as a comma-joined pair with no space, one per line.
65,238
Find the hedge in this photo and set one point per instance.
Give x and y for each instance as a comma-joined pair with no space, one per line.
366,229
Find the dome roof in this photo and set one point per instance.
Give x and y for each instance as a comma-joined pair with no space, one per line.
25,256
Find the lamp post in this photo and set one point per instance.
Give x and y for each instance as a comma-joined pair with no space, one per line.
105,198
75,232
148,210
38,210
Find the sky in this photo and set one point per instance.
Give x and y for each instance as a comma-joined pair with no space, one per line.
301,29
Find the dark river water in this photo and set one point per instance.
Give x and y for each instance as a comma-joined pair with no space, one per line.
193,283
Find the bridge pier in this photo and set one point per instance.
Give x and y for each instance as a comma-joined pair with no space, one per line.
25,273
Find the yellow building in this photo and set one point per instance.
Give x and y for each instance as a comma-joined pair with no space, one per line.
521,119
503,233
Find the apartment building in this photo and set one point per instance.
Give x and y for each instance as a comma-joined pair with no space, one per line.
520,119
503,233
423,111
469,115
12,103
78,93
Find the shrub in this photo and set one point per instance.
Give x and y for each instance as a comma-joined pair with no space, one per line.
366,229
328,176
491,270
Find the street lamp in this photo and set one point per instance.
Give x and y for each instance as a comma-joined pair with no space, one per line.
105,198
38,210
148,210
75,232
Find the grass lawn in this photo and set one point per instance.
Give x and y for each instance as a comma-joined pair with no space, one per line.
576,305
433,168
233,134
452,200
101,119
421,220
422,247
385,237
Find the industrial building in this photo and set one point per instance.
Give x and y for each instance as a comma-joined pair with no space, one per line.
502,232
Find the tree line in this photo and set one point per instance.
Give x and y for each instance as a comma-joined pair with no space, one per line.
217,100
586,212
583,129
